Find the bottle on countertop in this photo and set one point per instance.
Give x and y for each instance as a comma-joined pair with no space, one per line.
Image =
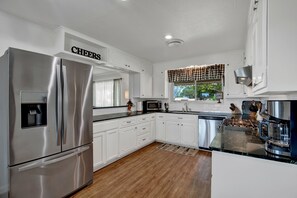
166,105
129,105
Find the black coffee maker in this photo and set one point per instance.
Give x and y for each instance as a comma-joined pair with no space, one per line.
279,128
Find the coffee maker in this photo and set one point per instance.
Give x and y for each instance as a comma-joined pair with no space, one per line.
279,128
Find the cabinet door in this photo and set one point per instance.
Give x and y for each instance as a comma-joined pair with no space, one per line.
153,127
112,144
189,134
123,60
146,84
160,130
259,39
98,150
172,132
127,140
160,84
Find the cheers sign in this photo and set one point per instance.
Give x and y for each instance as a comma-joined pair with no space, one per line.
87,53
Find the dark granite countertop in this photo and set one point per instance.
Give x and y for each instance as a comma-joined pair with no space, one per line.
243,143
111,116
201,113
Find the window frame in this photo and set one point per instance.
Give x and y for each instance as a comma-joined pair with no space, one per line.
120,93
196,98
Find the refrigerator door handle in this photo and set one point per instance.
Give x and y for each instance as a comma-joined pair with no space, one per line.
43,164
59,105
65,103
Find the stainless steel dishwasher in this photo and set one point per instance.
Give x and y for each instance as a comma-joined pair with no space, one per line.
208,128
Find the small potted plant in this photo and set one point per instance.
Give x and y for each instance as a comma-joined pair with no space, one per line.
130,104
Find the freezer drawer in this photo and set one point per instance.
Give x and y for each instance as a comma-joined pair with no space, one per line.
55,176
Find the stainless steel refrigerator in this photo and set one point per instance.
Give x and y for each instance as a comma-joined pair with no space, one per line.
45,125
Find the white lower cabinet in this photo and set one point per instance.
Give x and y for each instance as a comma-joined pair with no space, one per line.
127,139
153,126
112,145
116,138
98,150
177,129
160,127
172,132
189,134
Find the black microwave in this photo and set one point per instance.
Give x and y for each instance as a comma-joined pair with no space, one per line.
152,105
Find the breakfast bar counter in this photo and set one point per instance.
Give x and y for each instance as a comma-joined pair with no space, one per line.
244,143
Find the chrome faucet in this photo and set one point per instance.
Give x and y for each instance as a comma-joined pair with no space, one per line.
187,107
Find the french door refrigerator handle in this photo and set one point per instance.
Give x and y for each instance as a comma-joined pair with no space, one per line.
42,164
59,105
65,103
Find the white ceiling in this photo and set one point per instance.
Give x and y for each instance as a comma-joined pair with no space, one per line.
139,26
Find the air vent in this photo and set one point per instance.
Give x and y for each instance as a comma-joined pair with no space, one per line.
174,42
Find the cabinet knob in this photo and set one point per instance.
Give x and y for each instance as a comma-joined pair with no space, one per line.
177,124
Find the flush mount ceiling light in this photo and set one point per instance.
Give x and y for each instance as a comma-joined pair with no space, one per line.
168,37
174,42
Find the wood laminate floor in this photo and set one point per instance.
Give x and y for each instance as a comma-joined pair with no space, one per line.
153,172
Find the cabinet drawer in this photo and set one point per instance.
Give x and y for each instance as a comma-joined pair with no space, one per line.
182,118
161,116
144,118
153,117
105,125
143,139
143,128
128,122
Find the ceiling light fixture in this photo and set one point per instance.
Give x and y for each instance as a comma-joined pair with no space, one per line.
174,42
168,37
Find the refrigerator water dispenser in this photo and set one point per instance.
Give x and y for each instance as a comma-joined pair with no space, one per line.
34,109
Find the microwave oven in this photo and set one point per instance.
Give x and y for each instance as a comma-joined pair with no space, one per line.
152,105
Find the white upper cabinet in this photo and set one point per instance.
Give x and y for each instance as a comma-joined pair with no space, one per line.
124,61
272,46
258,45
140,69
160,83
142,84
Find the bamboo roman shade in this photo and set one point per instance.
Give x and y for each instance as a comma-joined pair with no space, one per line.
197,73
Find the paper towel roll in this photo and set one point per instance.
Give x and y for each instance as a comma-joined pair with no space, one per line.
139,106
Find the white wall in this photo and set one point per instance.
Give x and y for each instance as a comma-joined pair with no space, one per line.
231,57
20,33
